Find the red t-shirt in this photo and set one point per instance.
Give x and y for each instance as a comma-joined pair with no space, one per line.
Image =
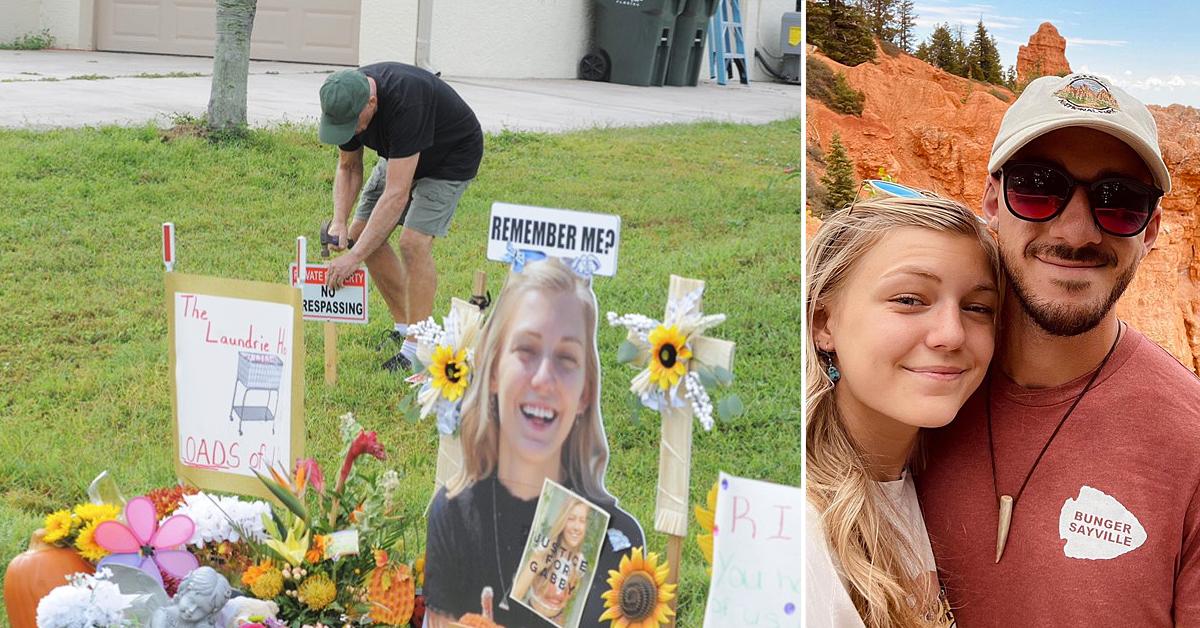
1107,532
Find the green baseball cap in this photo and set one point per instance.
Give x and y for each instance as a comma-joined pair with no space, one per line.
343,97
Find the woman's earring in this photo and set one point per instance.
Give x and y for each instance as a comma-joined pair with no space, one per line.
831,370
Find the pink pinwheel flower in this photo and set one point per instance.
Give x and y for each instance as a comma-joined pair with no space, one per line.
144,544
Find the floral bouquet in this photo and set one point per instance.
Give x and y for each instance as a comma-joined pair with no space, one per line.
227,529
75,528
334,555
446,353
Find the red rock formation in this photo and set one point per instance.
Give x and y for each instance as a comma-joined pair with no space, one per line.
1045,54
933,130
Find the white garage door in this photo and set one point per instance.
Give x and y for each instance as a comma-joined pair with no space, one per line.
312,31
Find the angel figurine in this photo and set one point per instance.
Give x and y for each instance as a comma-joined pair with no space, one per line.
198,602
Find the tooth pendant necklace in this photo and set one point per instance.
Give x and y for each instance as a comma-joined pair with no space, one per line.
1006,502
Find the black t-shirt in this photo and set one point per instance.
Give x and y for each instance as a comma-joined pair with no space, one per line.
461,553
419,113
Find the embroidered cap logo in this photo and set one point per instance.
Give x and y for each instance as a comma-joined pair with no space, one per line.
1087,93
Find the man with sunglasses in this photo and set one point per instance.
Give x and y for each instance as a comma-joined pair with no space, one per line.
1066,491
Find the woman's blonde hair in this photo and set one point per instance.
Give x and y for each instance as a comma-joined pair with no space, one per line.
859,522
585,452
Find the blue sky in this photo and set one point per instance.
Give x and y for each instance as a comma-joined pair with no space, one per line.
1150,48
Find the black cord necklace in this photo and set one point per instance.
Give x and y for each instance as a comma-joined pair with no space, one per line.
496,536
1008,502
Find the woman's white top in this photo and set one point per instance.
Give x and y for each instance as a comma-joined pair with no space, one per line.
828,601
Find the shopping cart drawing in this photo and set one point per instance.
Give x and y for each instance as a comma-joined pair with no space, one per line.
260,372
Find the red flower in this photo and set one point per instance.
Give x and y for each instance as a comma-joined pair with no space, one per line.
365,443
418,616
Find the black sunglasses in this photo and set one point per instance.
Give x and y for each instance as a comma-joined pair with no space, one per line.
1121,206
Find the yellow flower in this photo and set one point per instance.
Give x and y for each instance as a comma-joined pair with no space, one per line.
97,512
268,584
317,592
58,526
86,543
705,516
669,354
450,370
295,546
638,596
419,567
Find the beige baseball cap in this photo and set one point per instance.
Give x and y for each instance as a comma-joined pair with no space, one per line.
1056,102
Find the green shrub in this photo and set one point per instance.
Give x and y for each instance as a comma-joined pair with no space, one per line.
832,89
30,41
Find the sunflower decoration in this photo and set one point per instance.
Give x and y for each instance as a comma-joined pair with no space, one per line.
446,351
672,375
706,517
669,354
450,371
638,595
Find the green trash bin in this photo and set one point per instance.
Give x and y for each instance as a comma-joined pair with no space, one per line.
631,41
687,44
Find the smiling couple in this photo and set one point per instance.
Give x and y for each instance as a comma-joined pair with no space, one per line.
986,442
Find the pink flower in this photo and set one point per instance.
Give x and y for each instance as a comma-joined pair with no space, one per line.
143,544
365,443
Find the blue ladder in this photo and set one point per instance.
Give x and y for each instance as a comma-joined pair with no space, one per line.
727,45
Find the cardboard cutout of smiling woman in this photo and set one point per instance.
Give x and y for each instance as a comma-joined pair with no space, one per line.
531,414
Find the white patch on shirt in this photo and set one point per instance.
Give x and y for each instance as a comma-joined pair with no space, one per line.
1098,527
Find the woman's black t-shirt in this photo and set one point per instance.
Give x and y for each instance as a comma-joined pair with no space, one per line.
419,113
462,557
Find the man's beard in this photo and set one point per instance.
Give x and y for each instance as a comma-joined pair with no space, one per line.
1062,320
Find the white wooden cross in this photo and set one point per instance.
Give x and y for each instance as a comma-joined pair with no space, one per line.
675,444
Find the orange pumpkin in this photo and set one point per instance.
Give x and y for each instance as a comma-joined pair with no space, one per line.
33,574
392,594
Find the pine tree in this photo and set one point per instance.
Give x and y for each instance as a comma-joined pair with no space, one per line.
839,177
846,37
941,50
983,57
922,52
962,55
993,68
881,16
906,20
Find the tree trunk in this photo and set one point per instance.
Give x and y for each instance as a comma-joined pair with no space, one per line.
231,64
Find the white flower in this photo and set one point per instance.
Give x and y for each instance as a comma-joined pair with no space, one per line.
88,602
222,518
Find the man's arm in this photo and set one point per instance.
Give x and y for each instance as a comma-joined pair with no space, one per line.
383,218
347,181
391,204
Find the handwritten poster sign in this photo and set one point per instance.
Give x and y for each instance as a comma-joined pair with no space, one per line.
236,362
558,233
756,555
347,304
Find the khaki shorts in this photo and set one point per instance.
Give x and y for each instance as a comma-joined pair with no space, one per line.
429,209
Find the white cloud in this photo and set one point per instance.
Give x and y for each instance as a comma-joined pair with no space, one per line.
1138,83
1080,41
966,14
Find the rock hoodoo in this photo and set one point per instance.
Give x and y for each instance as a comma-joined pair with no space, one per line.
1046,53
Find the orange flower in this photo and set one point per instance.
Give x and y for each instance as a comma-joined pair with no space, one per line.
316,551
253,572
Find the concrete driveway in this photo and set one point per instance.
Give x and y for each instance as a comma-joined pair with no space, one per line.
61,88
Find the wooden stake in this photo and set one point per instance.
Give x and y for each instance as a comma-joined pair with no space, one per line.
479,296
674,556
331,355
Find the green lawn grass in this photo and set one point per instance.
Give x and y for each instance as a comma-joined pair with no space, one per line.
83,347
